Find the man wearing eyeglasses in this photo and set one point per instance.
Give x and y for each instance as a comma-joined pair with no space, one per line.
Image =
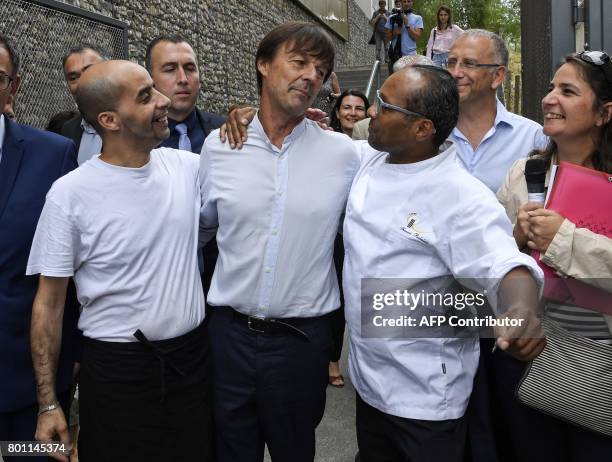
488,137
415,213
30,161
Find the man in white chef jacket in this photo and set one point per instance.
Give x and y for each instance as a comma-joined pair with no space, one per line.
414,212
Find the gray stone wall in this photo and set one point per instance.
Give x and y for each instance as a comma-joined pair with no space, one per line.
225,35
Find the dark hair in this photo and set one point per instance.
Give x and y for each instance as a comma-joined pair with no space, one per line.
438,100
80,48
57,121
450,16
10,47
99,95
334,120
302,36
595,77
162,38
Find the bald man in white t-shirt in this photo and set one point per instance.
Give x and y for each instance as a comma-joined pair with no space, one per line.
125,225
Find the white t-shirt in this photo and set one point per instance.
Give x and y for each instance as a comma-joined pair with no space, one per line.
129,236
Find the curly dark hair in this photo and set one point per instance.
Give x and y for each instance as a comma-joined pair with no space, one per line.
334,121
596,78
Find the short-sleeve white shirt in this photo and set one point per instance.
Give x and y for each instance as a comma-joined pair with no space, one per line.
129,236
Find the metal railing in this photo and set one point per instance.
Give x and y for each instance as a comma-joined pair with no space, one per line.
375,74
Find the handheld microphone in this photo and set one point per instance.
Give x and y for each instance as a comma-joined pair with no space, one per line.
535,176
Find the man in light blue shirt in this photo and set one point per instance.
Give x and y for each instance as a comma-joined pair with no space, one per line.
408,26
278,204
489,138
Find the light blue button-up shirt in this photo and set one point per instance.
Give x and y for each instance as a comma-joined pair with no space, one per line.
459,230
511,137
91,143
278,212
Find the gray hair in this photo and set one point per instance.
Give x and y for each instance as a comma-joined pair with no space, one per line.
500,50
411,60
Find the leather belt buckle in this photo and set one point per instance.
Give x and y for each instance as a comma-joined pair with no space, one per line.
255,320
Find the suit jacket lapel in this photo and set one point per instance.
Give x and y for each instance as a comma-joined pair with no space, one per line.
12,152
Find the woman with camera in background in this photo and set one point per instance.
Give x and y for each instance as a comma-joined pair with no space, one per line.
577,114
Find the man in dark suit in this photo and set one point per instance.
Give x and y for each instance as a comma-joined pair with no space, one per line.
30,161
74,63
173,65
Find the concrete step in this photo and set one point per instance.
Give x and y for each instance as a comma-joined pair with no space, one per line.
357,77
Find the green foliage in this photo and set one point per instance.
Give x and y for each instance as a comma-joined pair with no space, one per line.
500,16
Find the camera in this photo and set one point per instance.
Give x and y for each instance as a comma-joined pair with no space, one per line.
396,19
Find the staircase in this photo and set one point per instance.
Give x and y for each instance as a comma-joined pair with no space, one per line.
356,78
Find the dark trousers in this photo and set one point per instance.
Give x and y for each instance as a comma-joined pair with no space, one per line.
338,321
146,401
20,425
482,431
529,435
386,438
267,388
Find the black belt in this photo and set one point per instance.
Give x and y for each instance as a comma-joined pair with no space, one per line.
272,326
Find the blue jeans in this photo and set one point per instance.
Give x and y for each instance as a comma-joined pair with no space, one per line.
440,59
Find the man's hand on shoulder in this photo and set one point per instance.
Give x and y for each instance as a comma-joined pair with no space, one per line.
320,117
235,127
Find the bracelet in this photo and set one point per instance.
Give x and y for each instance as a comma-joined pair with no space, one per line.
51,407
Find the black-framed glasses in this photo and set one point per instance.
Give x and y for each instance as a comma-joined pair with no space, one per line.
599,59
468,65
5,81
378,103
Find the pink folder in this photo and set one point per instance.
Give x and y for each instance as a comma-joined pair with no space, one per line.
583,196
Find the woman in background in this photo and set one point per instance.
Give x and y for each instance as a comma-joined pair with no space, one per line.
442,37
350,108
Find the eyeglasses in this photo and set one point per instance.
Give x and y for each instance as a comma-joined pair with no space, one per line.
468,65
378,103
5,81
599,59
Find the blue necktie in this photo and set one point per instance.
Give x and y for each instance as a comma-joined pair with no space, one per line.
184,141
